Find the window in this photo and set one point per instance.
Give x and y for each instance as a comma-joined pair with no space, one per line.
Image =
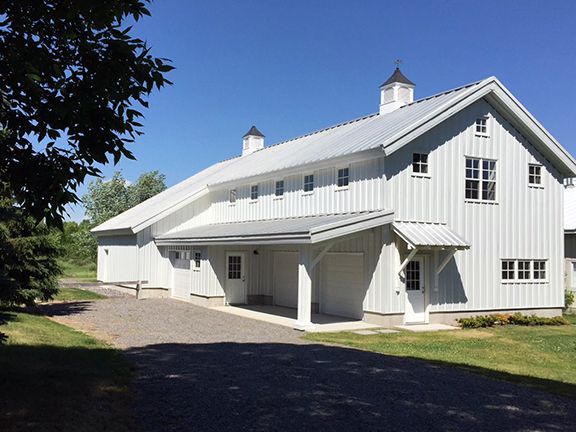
482,126
523,270
534,175
254,192
508,270
420,163
197,259
232,196
413,276
279,191
343,179
476,183
309,183
539,270
182,255
234,267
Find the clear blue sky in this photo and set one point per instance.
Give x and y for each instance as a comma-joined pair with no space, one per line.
291,67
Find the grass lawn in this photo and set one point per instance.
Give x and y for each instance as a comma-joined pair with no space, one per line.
80,272
54,378
571,318
543,357
74,294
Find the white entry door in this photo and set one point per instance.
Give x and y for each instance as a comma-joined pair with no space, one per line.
236,278
415,309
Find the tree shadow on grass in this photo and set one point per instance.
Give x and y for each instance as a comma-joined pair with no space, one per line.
263,387
61,309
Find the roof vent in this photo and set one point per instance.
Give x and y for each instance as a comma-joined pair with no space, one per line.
252,141
396,92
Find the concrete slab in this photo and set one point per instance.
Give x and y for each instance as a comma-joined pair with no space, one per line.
365,332
426,327
387,331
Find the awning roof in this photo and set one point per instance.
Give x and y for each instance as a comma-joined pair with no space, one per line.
278,231
426,235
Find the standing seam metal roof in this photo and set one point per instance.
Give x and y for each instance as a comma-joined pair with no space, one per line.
424,234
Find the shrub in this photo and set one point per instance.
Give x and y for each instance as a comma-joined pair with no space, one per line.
481,321
568,298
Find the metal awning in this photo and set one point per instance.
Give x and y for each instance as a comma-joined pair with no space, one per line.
427,235
303,230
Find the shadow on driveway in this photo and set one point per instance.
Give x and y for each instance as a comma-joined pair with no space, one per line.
285,387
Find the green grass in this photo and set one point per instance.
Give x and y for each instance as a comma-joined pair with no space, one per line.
85,272
75,294
54,378
543,357
571,318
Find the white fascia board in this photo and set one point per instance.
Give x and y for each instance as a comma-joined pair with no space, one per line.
351,226
242,240
167,211
112,232
311,166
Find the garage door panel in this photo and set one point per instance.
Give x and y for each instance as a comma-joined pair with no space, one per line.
285,277
343,291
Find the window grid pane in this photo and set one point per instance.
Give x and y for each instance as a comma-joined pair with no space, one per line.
413,276
420,163
279,188
482,126
254,192
309,183
534,174
232,195
234,267
539,270
476,182
343,177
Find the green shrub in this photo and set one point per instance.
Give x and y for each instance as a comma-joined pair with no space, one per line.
568,298
492,320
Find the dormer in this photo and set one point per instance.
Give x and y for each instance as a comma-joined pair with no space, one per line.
252,141
396,92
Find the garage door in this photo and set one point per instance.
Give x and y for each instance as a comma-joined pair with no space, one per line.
181,280
343,289
285,275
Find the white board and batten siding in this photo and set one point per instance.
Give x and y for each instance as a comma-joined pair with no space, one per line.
117,259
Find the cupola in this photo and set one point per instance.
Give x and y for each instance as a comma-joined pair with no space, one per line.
252,141
395,92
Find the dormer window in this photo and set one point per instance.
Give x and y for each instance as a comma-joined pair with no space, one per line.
534,175
254,192
232,196
309,183
420,163
482,126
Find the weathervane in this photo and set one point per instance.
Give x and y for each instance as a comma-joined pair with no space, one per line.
398,62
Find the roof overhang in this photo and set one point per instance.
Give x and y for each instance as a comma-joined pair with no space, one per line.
306,230
503,101
428,235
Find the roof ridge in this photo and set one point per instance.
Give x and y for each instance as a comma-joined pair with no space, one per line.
444,93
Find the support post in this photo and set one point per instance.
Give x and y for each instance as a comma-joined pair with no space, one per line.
304,321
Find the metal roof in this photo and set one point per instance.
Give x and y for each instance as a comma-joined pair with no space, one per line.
399,77
253,132
570,208
310,229
429,235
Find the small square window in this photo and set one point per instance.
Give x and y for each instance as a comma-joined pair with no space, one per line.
254,192
508,270
534,175
523,270
343,179
279,190
420,163
539,270
482,126
232,195
309,183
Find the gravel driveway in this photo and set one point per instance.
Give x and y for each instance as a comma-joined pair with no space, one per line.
204,370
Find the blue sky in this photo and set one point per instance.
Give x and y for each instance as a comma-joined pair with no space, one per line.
291,67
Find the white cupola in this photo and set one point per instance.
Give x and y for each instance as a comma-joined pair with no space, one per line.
395,92
252,141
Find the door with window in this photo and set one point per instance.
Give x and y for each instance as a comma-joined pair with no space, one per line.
415,309
236,278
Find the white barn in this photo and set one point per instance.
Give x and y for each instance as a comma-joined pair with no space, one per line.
426,211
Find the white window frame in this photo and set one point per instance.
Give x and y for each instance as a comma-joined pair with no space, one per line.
519,270
254,192
524,271
420,164
543,271
276,196
510,268
345,178
534,175
196,260
481,170
478,126
232,193
304,183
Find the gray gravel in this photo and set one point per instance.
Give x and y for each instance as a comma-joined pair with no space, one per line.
204,370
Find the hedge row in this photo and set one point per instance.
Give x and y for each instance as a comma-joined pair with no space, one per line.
510,319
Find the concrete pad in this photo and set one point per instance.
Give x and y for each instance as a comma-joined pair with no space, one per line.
365,332
387,331
417,328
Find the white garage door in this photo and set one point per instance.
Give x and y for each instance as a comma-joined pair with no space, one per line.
285,275
343,290
181,278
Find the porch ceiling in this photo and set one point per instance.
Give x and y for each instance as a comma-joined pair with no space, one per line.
304,230
426,235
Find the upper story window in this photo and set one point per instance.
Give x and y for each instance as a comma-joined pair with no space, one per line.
309,183
482,126
197,259
343,179
480,179
279,189
534,175
254,192
232,196
420,163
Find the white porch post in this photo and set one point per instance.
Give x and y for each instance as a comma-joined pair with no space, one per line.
304,321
